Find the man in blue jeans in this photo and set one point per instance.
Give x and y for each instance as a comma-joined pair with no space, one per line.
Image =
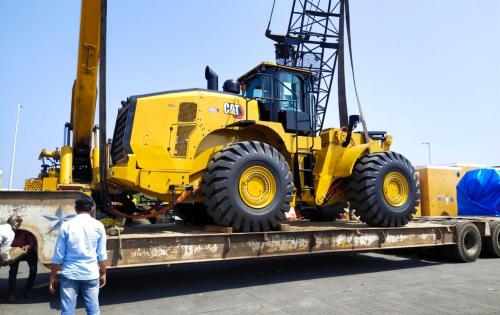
80,254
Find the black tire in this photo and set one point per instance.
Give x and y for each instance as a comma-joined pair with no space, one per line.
221,187
366,195
195,214
492,243
325,213
468,246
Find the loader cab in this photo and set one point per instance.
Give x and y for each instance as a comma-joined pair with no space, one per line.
284,95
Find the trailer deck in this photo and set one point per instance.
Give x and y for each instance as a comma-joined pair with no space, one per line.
174,244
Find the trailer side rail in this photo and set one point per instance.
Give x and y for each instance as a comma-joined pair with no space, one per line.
129,250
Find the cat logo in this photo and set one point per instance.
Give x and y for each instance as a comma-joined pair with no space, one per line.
233,109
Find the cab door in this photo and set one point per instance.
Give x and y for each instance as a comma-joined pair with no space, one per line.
293,104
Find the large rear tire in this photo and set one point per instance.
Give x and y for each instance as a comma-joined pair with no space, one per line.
384,189
248,186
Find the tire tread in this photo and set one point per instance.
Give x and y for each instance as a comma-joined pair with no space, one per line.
214,189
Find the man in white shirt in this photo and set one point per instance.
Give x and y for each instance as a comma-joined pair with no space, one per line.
7,233
80,254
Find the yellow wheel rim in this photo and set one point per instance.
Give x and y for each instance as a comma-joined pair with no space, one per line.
257,187
396,189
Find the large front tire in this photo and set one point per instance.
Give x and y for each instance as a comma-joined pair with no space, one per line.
384,189
248,186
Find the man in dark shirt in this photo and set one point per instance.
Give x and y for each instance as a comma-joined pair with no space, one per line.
27,242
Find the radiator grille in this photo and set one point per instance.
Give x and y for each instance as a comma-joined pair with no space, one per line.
187,112
118,150
182,140
33,184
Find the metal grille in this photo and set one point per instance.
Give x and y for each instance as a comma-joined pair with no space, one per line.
33,184
118,151
182,140
187,112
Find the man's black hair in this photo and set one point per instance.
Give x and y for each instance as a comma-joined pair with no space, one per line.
14,219
84,204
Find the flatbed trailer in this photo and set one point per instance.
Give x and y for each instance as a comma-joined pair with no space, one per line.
181,244
157,244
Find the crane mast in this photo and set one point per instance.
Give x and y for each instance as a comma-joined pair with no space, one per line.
314,41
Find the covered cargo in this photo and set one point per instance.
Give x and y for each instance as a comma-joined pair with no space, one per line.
479,193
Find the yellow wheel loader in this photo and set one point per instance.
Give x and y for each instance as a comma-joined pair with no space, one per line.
253,154
240,157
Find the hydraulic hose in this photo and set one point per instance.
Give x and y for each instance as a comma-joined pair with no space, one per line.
153,213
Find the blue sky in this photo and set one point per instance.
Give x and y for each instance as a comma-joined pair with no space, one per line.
427,70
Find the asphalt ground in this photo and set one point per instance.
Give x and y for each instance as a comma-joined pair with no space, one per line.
345,283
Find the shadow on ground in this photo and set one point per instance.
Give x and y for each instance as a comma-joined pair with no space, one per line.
142,284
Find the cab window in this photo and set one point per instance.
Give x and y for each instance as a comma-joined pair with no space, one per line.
259,87
290,91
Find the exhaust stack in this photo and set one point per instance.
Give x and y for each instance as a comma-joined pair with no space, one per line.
212,79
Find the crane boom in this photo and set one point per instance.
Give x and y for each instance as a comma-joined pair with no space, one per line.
83,103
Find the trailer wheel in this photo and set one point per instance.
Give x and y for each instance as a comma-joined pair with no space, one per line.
384,189
468,246
195,214
325,213
492,243
248,186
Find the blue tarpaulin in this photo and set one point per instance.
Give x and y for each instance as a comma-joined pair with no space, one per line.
478,193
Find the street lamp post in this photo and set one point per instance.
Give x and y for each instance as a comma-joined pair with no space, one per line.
428,150
19,106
